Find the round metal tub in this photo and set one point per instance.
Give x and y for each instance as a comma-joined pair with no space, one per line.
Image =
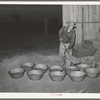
92,72
55,68
77,76
35,74
41,67
70,69
97,66
27,66
16,73
83,66
57,76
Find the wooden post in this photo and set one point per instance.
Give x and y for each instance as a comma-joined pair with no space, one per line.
82,42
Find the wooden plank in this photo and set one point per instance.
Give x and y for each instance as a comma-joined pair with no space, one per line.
90,36
98,19
78,18
94,19
72,13
91,14
63,14
78,33
97,34
98,12
79,13
86,19
67,13
93,29
75,13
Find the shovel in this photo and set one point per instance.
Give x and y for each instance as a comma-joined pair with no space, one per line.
69,56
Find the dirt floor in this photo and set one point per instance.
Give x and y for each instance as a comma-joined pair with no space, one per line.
15,51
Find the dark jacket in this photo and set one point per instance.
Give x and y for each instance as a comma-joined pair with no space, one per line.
67,37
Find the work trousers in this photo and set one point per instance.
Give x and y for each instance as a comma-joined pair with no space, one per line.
64,56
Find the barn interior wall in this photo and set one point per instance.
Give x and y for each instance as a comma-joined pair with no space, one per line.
87,21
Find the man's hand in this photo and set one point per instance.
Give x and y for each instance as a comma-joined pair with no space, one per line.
60,39
67,50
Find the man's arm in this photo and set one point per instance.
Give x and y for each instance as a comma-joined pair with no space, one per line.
60,34
73,38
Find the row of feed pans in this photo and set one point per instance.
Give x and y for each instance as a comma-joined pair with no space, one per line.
57,73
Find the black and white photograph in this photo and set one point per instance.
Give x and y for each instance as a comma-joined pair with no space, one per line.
50,48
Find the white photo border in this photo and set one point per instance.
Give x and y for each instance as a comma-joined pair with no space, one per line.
49,95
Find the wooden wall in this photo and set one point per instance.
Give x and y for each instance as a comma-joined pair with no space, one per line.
87,19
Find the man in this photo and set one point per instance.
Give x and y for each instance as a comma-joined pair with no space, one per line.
67,38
